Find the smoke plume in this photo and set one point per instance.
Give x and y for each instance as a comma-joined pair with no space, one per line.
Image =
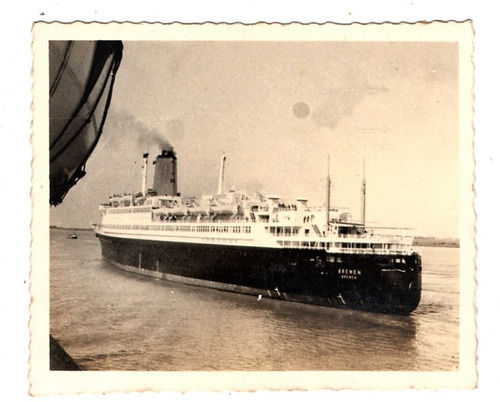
145,134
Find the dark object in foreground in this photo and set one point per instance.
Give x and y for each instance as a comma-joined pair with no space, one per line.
81,78
59,359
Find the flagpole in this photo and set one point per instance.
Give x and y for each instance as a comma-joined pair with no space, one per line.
328,194
363,196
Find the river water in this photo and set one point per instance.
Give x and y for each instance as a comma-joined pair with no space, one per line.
108,319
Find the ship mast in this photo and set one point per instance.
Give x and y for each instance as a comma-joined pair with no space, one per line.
220,189
363,196
145,174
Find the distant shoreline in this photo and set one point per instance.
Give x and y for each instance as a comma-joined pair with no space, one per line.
72,229
420,241
436,242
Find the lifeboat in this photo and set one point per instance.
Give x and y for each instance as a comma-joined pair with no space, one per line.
198,210
224,209
172,209
127,201
81,79
177,210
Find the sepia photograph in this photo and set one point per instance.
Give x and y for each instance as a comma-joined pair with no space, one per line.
241,207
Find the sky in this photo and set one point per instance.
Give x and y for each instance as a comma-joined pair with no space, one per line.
278,110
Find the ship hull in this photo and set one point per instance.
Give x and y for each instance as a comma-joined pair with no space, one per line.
365,281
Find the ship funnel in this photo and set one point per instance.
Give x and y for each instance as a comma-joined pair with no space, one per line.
165,180
145,174
220,189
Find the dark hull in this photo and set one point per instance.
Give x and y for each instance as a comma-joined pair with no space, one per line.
387,284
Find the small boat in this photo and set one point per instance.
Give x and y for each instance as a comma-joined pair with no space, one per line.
73,236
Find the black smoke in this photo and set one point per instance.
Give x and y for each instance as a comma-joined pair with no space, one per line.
146,134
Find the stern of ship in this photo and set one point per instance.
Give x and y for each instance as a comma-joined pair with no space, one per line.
380,283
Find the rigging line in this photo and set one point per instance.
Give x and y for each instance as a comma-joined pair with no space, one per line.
83,99
87,121
66,57
77,175
110,52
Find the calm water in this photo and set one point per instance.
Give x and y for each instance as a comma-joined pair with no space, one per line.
108,319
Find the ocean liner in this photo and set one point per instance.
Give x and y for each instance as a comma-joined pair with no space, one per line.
259,245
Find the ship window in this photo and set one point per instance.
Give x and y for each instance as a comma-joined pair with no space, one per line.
305,244
288,231
287,243
307,232
296,244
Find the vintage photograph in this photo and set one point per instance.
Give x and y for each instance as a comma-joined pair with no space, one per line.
259,200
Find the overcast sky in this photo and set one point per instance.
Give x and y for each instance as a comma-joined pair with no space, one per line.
277,110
